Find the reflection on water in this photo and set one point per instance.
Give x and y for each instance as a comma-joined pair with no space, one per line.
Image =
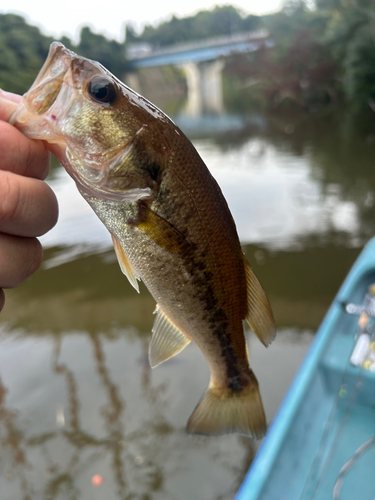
87,403
77,395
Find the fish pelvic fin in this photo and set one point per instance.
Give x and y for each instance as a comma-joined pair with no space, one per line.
167,340
224,411
124,263
259,314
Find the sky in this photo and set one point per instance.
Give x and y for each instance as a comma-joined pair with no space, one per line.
109,17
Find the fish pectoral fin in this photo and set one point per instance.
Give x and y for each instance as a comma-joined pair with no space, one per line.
161,231
167,340
124,263
259,314
224,411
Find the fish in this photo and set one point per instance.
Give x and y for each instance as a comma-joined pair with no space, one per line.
170,225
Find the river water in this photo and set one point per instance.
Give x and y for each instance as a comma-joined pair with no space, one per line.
82,415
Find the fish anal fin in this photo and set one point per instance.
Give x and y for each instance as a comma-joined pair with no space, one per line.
259,314
224,411
167,340
124,263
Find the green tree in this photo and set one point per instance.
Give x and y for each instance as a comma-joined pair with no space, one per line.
298,70
351,34
224,20
23,49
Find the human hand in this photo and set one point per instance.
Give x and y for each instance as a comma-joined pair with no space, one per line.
28,206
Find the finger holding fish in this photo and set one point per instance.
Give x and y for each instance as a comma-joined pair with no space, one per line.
21,155
18,153
20,257
28,207
9,103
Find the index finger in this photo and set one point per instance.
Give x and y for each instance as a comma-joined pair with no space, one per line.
8,103
10,96
18,154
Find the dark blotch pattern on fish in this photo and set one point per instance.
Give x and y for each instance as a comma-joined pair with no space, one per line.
153,170
219,321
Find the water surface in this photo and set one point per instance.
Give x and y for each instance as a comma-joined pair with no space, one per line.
77,396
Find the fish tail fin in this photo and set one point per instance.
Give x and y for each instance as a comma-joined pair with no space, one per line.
224,411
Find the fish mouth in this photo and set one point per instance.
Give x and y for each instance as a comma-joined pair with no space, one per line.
42,113
55,66
31,115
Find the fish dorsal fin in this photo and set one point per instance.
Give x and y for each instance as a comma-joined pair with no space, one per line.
259,314
124,263
167,340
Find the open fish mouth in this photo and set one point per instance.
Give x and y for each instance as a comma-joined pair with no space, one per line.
46,87
49,111
32,115
55,66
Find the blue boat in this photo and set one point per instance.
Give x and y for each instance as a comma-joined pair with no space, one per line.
321,443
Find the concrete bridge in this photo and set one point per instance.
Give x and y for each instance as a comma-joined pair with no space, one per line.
202,62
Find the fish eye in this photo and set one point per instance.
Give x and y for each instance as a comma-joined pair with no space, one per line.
102,89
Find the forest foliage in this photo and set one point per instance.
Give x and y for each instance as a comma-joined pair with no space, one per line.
220,21
322,53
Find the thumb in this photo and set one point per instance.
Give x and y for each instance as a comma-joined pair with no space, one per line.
8,103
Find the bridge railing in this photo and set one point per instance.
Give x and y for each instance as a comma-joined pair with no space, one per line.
141,51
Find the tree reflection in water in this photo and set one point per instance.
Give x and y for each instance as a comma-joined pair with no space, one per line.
134,463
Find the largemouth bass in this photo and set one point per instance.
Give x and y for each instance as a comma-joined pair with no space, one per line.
170,225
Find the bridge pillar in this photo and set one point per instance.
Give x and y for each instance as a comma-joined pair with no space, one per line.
193,80
205,89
